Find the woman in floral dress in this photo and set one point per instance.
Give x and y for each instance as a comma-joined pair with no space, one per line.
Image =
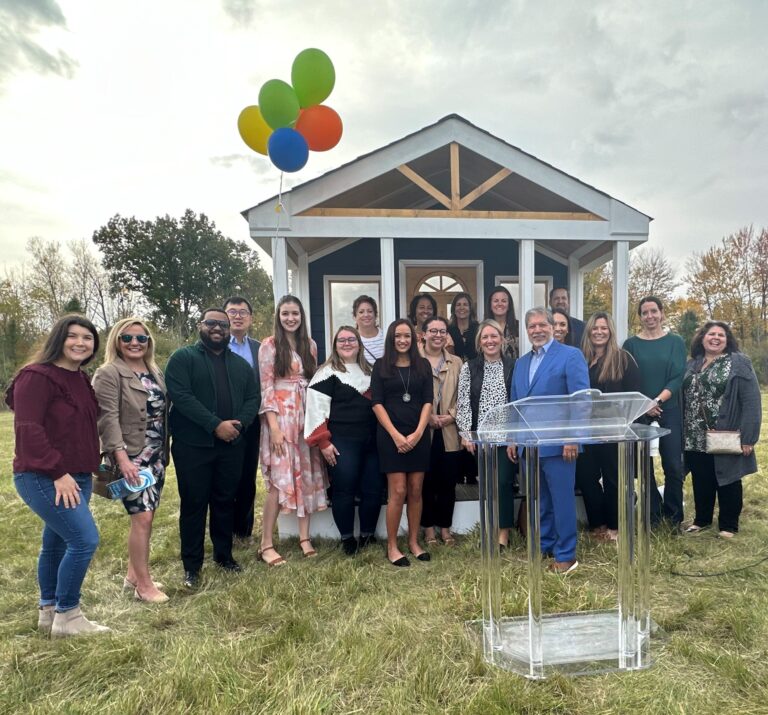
293,472
132,423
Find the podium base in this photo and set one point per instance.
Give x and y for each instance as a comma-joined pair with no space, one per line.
571,644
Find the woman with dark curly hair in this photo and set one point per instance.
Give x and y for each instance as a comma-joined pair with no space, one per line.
720,392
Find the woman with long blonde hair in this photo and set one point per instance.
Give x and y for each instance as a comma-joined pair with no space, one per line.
611,369
133,428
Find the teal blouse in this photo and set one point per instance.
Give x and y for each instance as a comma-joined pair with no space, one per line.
661,362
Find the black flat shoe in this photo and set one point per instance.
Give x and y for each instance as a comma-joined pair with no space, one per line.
423,556
366,540
191,579
349,545
402,561
230,565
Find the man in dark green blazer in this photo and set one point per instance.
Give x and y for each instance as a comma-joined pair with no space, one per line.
214,399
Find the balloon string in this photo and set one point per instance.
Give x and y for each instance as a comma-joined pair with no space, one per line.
280,207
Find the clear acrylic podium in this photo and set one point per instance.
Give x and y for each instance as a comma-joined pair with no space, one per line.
539,645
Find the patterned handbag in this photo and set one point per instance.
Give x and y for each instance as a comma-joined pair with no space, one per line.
106,473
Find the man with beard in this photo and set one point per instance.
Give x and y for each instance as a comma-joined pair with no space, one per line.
214,399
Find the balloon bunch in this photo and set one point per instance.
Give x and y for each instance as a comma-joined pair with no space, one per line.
290,119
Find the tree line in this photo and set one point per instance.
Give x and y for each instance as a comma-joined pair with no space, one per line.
166,270
727,282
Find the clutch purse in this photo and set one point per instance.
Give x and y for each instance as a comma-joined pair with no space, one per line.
721,441
105,474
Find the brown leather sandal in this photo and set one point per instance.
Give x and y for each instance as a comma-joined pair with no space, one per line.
307,554
277,561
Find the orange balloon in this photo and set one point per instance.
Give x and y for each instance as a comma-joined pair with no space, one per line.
320,126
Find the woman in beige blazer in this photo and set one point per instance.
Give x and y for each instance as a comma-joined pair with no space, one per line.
439,495
133,409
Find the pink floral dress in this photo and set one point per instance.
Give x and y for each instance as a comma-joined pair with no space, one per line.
299,475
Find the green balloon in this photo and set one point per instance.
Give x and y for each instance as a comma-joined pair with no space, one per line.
278,103
312,76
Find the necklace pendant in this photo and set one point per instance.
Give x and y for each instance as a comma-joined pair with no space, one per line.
406,397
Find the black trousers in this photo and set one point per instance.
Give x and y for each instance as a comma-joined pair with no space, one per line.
706,490
246,489
439,491
600,502
207,479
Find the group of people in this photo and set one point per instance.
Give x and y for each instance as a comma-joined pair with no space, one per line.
386,407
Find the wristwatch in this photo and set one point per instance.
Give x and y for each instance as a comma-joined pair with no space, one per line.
659,401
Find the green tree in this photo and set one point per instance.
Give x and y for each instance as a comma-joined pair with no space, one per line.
687,326
180,266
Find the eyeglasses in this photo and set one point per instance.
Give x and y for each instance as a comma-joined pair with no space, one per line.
127,339
435,331
346,341
242,313
211,323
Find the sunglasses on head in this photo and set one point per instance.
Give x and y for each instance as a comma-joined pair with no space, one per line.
211,323
127,339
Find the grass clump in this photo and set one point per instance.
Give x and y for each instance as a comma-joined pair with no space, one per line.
353,635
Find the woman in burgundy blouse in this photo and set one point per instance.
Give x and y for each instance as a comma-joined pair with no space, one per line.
57,449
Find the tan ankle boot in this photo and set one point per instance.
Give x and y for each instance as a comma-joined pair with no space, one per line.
45,619
74,623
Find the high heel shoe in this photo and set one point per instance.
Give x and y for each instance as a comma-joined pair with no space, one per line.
309,554
130,586
277,561
160,598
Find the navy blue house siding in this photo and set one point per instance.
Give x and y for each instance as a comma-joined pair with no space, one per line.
363,258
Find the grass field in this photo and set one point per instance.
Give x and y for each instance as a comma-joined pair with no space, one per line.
341,635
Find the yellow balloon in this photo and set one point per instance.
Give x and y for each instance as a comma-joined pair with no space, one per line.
254,131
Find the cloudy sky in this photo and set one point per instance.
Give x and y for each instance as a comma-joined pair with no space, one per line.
112,107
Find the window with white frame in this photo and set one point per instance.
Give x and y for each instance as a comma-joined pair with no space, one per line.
340,294
541,289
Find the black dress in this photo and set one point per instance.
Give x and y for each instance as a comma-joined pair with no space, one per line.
388,392
464,343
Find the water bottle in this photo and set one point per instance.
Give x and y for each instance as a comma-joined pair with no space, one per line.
122,488
654,444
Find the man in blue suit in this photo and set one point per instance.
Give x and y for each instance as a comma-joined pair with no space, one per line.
552,369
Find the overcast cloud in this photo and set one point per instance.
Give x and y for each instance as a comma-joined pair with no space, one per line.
662,105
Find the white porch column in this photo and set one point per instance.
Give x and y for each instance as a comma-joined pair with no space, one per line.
576,288
621,289
527,277
279,267
387,300
302,283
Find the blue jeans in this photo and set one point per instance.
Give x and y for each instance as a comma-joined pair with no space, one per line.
70,538
356,473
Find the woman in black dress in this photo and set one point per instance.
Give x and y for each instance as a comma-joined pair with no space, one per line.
463,327
401,392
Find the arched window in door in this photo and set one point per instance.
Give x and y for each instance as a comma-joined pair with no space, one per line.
442,286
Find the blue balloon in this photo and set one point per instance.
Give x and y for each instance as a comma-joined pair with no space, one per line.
287,149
